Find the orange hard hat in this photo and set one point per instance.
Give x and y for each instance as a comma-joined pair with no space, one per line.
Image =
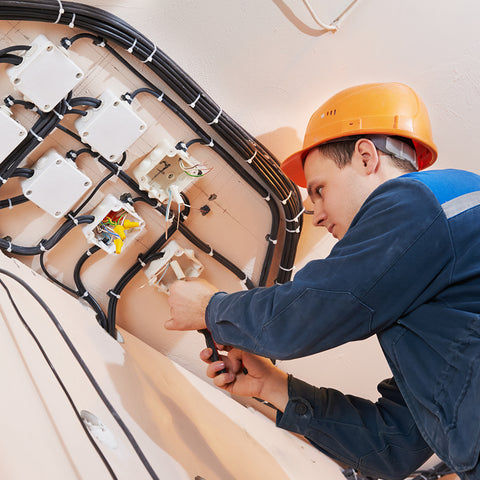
375,108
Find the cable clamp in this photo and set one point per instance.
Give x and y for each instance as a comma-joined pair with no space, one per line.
69,107
297,217
160,97
59,115
61,11
150,58
270,239
88,253
42,248
72,218
287,269
250,160
9,249
9,101
39,139
267,198
141,262
127,97
66,43
113,294
297,230
85,294
10,206
119,169
215,120
100,43
211,144
211,251
288,198
244,281
72,23
195,101
130,50
3,180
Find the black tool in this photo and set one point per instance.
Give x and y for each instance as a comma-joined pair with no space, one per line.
211,344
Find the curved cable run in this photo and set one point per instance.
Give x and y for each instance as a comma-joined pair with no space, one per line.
253,157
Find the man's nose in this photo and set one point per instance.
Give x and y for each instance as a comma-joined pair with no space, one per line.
318,216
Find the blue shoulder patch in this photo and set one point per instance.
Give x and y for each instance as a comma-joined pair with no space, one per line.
447,184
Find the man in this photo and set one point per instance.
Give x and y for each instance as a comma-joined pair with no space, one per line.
406,268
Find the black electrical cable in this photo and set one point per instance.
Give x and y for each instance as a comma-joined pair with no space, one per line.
86,370
59,380
52,278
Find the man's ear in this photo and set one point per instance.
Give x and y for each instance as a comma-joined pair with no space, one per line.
366,156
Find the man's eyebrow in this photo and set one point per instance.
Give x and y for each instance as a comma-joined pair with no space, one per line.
309,190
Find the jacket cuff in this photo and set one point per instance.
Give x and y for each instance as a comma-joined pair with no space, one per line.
299,410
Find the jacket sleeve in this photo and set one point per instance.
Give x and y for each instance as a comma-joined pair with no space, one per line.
378,439
397,243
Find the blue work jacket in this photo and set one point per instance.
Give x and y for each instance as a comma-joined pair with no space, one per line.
408,271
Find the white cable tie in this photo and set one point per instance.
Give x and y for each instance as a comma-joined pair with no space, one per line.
130,50
119,169
141,262
10,206
297,217
288,198
101,44
150,58
215,120
287,269
69,107
88,252
61,11
59,115
297,230
211,251
85,294
244,281
331,28
42,248
39,139
195,101
267,198
250,160
3,180
272,240
160,97
158,205
72,23
113,294
9,249
72,218
211,144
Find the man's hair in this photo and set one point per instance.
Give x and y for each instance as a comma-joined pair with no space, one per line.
341,152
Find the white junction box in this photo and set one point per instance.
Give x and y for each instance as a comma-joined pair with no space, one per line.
12,133
56,185
46,74
111,128
176,264
116,223
163,168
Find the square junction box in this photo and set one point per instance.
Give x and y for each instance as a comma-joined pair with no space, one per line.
163,168
46,74
56,185
176,264
111,128
116,224
12,133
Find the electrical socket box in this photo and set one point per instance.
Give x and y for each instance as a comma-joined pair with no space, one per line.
116,224
12,133
162,168
111,128
46,74
56,185
176,264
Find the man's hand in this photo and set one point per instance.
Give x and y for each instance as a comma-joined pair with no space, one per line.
248,375
188,301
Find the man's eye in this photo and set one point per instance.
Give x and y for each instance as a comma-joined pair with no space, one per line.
318,191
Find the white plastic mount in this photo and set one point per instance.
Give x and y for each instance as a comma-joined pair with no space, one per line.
111,128
161,169
56,185
46,74
112,206
12,133
176,264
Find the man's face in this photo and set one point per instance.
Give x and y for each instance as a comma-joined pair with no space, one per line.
336,193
